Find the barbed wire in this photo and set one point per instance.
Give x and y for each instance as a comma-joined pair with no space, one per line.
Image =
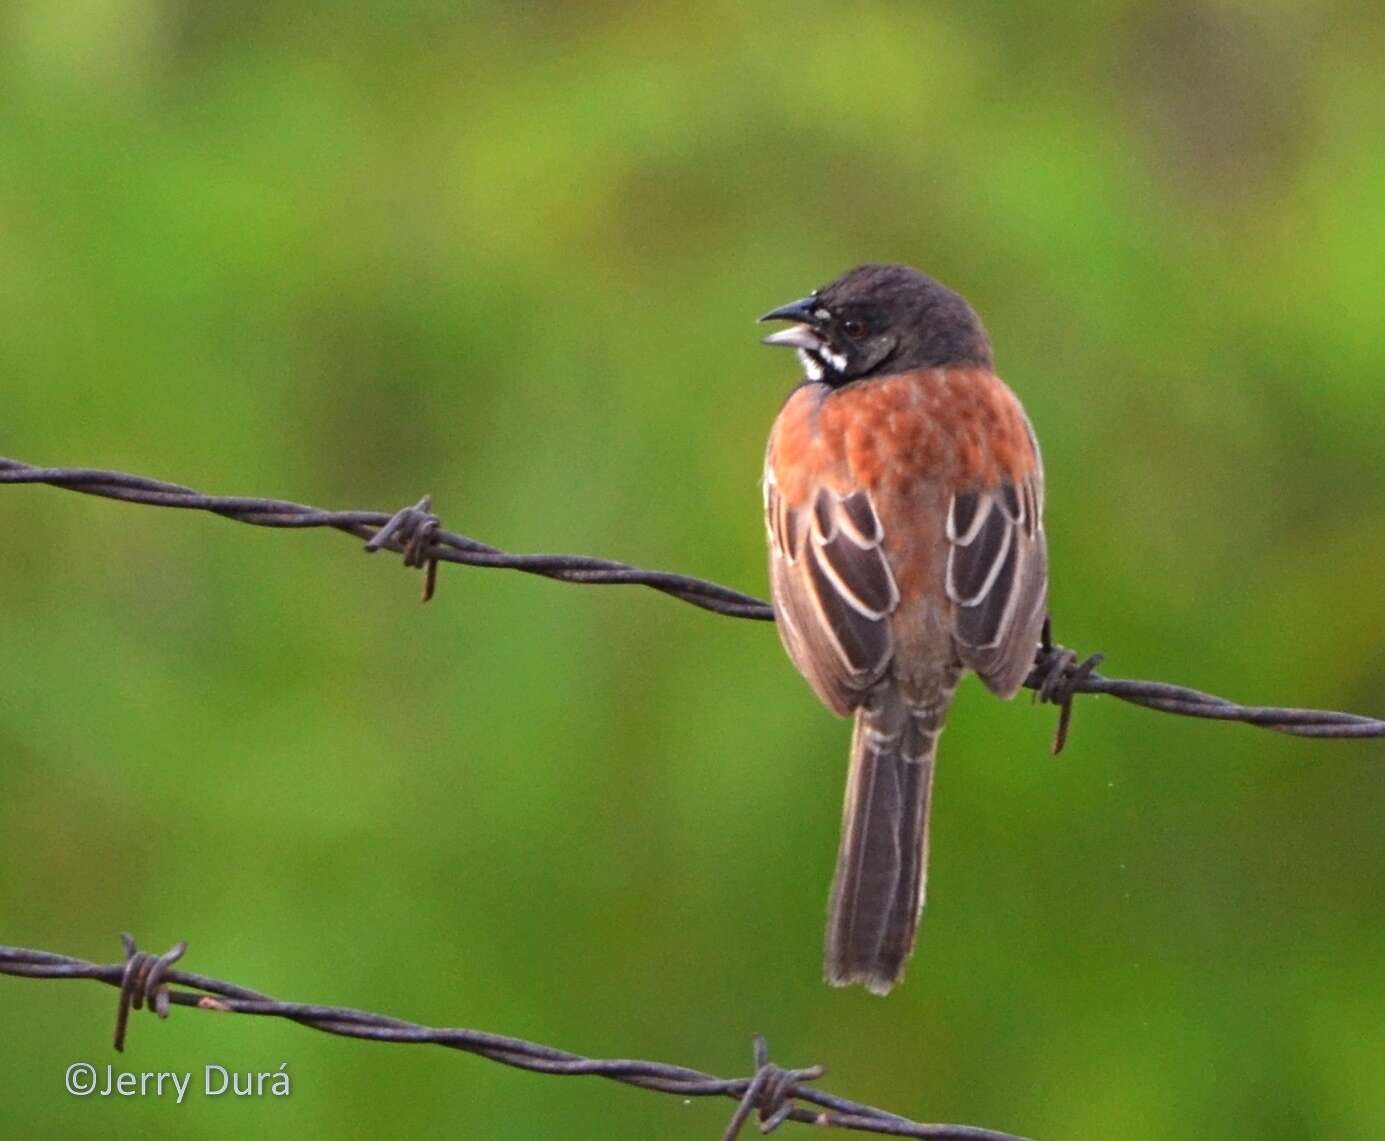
416,533
389,532
772,1092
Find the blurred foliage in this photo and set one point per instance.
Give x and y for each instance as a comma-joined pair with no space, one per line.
511,254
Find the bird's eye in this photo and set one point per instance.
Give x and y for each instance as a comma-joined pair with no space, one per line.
854,328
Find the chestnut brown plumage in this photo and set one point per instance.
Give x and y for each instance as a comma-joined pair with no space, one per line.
903,497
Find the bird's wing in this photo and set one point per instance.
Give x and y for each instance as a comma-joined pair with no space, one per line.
833,590
997,577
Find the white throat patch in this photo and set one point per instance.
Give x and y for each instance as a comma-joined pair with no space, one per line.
836,360
819,361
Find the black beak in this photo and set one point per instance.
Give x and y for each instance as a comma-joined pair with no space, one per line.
801,310
800,336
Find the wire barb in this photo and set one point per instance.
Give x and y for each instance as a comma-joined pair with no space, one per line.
1054,677
1059,674
769,1093
415,528
772,1091
142,983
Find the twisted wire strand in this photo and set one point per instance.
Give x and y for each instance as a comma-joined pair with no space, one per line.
416,533
773,1092
445,546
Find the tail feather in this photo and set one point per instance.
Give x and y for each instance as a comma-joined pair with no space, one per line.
878,890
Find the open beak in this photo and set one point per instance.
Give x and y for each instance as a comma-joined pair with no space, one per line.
800,336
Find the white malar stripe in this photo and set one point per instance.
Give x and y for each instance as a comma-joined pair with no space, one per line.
836,360
811,368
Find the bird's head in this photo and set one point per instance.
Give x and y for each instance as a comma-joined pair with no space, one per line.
877,320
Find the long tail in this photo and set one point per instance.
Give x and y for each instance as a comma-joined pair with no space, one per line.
877,893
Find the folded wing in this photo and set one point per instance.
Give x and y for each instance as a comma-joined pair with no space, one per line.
997,577
833,589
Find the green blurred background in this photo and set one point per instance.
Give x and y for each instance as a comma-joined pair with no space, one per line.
511,254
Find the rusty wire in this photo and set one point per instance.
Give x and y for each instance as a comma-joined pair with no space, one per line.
416,533
772,1092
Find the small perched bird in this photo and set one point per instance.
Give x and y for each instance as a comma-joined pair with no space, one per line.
904,499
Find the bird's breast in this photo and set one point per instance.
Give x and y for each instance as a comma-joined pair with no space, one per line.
958,427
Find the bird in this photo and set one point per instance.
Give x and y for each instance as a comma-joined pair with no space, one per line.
903,498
